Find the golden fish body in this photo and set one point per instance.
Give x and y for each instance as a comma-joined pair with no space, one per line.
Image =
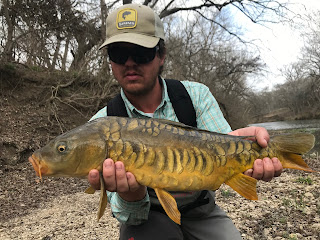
166,156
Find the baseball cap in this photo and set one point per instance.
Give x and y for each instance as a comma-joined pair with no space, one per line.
134,23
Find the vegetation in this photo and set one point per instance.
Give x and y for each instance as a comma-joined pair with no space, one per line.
62,39
307,180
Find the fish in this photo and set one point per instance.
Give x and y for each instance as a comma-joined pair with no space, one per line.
125,14
166,156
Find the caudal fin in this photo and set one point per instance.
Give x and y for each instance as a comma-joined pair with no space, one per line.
292,147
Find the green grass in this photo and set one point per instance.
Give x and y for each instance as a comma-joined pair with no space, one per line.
304,180
227,193
297,202
289,236
286,202
283,220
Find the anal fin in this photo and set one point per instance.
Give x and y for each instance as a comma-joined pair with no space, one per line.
103,198
169,205
244,185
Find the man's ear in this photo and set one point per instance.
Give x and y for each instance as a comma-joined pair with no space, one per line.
163,56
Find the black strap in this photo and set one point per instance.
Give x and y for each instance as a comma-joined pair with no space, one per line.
201,200
116,107
181,102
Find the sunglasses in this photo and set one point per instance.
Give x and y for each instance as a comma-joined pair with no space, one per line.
139,55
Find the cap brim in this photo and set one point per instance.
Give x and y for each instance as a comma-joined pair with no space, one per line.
139,39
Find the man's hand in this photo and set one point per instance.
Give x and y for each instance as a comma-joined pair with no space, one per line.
263,169
118,180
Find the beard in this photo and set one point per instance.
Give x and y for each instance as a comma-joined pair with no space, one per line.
140,91
136,88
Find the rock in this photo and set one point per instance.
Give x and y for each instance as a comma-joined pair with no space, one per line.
309,195
278,238
266,232
316,226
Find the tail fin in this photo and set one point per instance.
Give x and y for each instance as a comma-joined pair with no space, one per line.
292,146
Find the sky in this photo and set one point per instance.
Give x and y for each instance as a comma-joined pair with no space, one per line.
278,44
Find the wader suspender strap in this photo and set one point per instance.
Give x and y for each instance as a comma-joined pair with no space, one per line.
116,107
185,112
181,102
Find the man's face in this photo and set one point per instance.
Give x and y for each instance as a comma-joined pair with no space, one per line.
135,78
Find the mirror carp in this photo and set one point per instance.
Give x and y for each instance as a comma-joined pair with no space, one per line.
166,156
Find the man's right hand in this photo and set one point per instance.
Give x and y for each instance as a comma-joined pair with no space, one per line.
118,180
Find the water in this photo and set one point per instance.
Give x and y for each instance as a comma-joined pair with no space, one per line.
285,125
312,126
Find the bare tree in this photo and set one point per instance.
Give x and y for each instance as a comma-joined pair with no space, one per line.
205,53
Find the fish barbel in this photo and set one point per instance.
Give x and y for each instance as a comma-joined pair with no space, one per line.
166,156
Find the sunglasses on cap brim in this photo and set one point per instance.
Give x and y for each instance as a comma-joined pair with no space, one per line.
139,54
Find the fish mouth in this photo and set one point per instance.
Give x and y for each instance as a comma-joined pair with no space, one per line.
40,167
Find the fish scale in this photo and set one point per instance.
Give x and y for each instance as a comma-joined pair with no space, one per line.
166,156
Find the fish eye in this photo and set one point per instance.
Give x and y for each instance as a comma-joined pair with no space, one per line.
62,148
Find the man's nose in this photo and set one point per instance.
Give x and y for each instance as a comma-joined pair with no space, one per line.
130,62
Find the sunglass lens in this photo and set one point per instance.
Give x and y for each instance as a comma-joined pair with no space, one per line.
144,55
140,55
118,55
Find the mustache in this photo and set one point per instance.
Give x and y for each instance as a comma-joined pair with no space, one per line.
132,70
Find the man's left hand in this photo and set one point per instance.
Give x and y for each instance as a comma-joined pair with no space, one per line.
263,169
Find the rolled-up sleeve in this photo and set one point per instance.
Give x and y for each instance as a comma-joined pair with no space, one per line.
131,213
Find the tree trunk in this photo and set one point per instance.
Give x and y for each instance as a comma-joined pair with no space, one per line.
65,54
10,19
56,54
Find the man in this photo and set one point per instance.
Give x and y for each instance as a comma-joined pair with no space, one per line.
135,44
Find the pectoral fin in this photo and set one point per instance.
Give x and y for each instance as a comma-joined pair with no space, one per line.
103,198
90,190
244,185
169,205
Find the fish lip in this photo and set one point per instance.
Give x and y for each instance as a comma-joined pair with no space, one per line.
39,167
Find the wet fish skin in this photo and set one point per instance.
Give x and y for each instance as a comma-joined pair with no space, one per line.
166,156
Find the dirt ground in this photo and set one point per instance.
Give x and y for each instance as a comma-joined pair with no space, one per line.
57,208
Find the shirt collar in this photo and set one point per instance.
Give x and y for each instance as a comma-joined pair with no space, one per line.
165,98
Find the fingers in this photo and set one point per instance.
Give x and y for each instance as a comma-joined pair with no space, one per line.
94,179
121,178
249,172
262,137
109,175
133,184
265,169
115,177
260,133
124,183
258,169
277,167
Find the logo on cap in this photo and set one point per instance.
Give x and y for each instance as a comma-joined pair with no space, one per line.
127,18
